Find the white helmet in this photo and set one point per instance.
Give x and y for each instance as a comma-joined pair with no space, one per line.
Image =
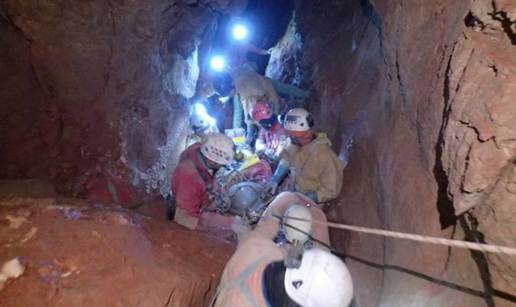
199,118
198,123
321,280
219,148
300,230
298,119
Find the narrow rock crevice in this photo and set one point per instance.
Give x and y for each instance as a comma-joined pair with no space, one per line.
508,26
417,98
469,225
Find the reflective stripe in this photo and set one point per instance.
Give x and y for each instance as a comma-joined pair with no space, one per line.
241,282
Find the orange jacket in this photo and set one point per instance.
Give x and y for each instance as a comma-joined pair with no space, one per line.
242,280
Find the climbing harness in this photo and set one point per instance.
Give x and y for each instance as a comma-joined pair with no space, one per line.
486,248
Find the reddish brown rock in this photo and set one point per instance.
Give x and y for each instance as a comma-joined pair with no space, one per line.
418,98
82,256
97,86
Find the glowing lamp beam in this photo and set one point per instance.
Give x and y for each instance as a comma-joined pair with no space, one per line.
218,63
240,32
200,110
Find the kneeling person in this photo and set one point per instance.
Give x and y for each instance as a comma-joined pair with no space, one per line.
194,187
309,163
272,138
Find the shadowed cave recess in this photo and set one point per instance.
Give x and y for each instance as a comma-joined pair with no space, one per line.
417,97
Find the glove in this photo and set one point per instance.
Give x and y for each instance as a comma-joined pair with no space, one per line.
271,188
281,172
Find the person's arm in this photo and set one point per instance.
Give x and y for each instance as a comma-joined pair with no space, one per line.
269,223
281,172
189,195
252,48
330,175
268,226
271,94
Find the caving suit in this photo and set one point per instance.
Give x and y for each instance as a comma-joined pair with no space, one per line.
250,87
191,186
274,140
314,169
241,283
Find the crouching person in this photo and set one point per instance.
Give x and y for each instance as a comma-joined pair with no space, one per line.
259,274
194,189
309,164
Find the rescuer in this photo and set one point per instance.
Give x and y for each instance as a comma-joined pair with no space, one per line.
251,87
272,137
194,190
260,273
201,125
309,161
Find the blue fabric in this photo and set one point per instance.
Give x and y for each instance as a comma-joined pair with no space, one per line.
280,173
312,195
238,113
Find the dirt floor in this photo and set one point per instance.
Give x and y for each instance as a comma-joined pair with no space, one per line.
81,254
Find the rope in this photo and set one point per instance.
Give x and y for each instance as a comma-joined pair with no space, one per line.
486,248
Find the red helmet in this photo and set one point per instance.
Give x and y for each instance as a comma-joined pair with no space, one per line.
261,110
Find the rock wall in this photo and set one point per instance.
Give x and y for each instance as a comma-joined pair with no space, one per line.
94,93
419,100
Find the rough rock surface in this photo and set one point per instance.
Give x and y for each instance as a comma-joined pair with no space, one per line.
419,99
417,96
95,92
79,255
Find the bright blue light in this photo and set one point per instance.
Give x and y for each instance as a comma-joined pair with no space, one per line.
240,32
200,110
218,63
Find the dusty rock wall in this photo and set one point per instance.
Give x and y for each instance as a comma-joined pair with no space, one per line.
94,93
419,100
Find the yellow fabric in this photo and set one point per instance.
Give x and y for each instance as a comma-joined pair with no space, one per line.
257,247
251,86
315,167
250,159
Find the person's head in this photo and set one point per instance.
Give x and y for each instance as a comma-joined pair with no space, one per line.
322,279
262,113
200,126
298,123
219,150
200,121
